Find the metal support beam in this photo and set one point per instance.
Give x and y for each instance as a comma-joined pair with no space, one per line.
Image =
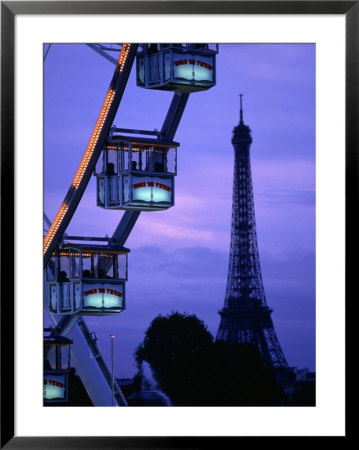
86,238
98,50
174,115
47,51
130,131
47,220
125,227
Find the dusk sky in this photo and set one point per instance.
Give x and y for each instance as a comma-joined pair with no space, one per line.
179,257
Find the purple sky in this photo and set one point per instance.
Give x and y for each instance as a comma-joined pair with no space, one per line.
179,257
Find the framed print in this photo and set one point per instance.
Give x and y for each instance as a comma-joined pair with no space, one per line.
162,227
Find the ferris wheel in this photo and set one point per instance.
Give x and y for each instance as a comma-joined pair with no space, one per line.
135,171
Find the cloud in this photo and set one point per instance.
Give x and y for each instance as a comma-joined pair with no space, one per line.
288,174
290,196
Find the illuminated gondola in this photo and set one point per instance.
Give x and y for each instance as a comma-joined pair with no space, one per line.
137,174
177,67
56,367
87,280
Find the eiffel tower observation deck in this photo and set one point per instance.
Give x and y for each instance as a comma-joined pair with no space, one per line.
246,317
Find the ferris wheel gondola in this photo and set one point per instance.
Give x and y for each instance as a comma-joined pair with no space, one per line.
87,280
177,67
137,174
57,364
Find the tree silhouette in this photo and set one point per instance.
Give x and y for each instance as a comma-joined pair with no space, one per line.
193,370
173,346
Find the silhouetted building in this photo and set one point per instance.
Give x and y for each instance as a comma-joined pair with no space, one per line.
300,388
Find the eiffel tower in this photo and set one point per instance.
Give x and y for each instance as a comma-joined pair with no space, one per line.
245,317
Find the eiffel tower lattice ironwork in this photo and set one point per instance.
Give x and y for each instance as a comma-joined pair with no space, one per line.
245,317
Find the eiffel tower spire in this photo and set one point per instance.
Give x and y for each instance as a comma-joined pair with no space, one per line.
245,316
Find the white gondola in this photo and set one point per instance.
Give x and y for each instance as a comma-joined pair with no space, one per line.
87,280
137,174
177,67
56,368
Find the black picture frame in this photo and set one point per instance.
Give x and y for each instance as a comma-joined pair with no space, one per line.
9,9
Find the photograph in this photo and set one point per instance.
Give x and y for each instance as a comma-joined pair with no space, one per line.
181,221
179,225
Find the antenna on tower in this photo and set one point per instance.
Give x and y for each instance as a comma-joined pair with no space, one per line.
241,109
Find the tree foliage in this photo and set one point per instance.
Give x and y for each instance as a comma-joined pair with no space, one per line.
193,370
